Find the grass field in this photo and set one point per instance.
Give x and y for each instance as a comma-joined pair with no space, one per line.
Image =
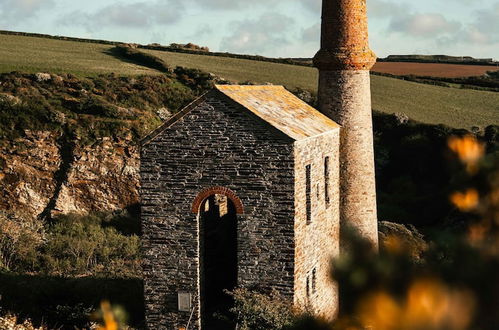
433,69
459,108
31,54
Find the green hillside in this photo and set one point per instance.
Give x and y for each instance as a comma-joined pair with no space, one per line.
31,55
459,108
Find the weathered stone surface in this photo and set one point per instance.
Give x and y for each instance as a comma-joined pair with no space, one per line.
218,143
345,97
27,168
317,242
102,177
402,238
344,37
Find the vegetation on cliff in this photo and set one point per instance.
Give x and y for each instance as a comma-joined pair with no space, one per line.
426,103
69,144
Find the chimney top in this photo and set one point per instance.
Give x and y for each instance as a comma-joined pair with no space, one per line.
344,37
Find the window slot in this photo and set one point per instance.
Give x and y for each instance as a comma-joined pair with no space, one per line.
308,188
326,180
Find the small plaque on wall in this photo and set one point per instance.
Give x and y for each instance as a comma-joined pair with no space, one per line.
184,302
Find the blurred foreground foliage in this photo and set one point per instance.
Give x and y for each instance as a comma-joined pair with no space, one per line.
453,283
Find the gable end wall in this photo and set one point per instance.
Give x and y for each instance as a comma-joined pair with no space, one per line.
215,144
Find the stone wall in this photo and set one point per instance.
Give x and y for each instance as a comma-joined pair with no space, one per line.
345,97
317,241
216,144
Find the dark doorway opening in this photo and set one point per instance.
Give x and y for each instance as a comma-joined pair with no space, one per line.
218,248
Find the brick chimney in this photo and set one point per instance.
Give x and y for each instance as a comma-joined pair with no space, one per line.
344,61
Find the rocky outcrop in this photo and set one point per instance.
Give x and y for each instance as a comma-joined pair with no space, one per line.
43,175
396,237
101,178
27,171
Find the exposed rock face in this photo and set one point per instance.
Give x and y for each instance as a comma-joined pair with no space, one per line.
405,238
40,176
103,177
27,171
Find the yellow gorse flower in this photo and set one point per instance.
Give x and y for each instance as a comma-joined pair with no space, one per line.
468,149
429,304
466,201
108,317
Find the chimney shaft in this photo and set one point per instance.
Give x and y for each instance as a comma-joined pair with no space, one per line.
344,61
344,37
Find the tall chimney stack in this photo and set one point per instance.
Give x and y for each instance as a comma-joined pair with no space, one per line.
344,61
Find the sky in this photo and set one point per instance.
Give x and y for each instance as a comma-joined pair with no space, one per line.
276,28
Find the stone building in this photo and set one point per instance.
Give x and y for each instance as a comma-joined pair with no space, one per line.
240,188
248,186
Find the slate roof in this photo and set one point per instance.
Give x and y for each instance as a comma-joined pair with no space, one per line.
273,104
281,109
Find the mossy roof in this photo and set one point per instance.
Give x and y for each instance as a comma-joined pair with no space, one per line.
281,109
273,104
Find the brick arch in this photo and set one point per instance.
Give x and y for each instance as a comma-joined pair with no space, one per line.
205,193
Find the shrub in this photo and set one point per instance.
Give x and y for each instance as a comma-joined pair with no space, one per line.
84,245
195,79
257,311
20,239
139,57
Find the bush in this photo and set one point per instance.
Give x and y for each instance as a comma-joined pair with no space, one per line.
84,245
20,239
195,79
257,311
141,58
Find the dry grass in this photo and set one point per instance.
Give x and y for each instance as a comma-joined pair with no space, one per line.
31,54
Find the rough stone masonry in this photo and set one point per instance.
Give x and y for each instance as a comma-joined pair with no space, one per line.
344,61
292,178
276,159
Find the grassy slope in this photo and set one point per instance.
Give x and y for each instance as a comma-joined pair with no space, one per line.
425,103
30,54
430,104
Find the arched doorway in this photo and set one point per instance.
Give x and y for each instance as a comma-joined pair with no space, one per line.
218,259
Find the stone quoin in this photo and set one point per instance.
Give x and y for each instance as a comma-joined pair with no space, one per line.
249,187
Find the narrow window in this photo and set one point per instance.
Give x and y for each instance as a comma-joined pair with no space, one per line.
308,287
308,188
326,180
314,280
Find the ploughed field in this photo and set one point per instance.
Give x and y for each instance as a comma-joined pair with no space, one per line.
433,69
460,108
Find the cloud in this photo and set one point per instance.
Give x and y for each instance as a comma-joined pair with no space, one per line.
267,33
312,33
481,31
13,10
131,15
312,5
235,4
423,25
485,27
383,9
